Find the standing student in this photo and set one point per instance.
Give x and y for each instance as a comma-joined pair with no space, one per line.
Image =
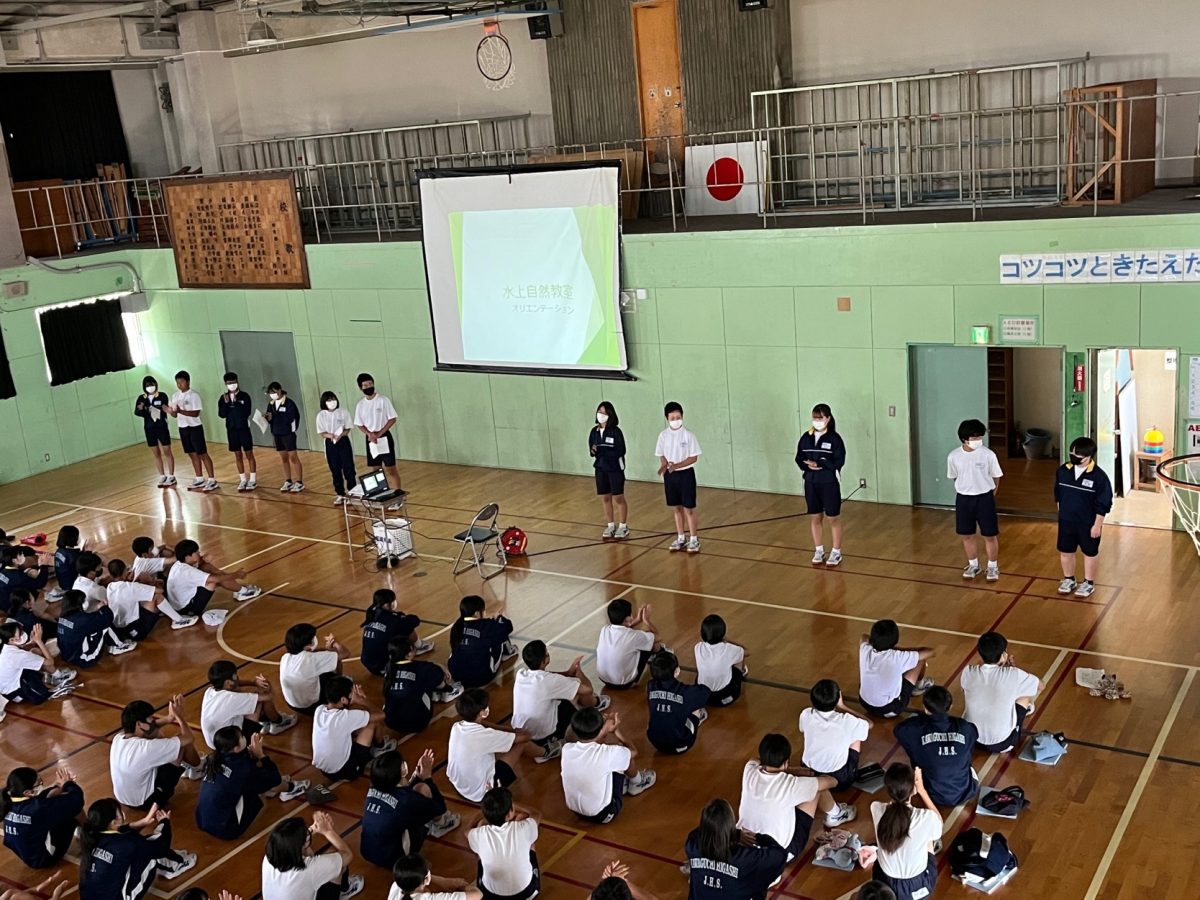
334,424
236,407
374,416
40,821
284,416
940,746
777,802
383,624
22,568
889,676
194,578
545,701
292,870
623,649
250,708
833,735
412,880
186,406
482,754
1084,496
974,469
84,631
29,612
119,858
999,695
726,864
678,450
146,766
906,829
502,837
676,709
479,643
600,768
606,445
820,455
401,808
306,668
135,606
237,774
720,665
66,554
151,407
345,731
411,687
27,670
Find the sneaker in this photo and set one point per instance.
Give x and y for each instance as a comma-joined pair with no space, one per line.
297,487
55,594
1085,589
355,884
552,750
835,558
840,815
170,868
971,571
818,557
339,500
693,545
621,533
603,702
171,481
686,869
211,485
162,480
198,482
247,592
993,573
388,745
450,694
642,781
62,676
678,544
194,773
609,531
701,716
297,790
1067,585
118,649
285,487
284,723
185,622
251,484
420,648
443,824
242,486
922,686
510,650
57,692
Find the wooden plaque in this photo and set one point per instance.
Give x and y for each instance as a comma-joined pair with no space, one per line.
237,232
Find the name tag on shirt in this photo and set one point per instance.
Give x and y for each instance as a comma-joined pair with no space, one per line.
609,441
1087,482
827,446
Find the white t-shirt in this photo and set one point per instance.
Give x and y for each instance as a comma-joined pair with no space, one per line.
828,736
587,771
503,851
152,565
300,884
13,663
912,857
332,735
715,662
471,759
973,472
336,422
881,671
372,413
769,801
190,401
94,592
221,708
132,761
125,598
991,693
300,676
182,582
676,445
535,705
396,894
617,652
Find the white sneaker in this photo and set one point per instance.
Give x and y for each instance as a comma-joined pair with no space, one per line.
922,686
388,745
339,500
552,750
642,781
510,650
993,573
840,815
1067,585
162,480
285,487
971,571
251,484
118,649
701,716
818,557
57,692
198,481
297,487
622,532
835,558
450,694
247,592
609,531
185,622
171,481
603,702
443,824
169,868
62,676
295,792
693,545
420,648
1085,589
55,594
356,884
284,723
211,485
242,484
678,544
194,773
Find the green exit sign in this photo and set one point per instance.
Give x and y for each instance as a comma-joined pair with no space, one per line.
981,334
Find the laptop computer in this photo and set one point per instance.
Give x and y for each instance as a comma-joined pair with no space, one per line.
375,487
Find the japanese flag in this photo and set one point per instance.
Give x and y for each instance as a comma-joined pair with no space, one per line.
724,178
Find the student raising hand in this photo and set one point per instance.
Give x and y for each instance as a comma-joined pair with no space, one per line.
424,767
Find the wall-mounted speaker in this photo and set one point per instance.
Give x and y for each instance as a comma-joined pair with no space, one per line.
751,5
542,28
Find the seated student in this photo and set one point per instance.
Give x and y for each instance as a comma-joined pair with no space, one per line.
401,808
778,803
623,651
999,695
615,885
940,745
725,864
905,834
384,623
545,701
145,766
676,709
305,670
237,774
478,643
412,880
483,754
875,890
503,836
890,676
29,610
90,577
66,553
135,606
720,665
345,730
291,870
833,735
601,767
411,687
193,579
250,709
39,821
83,634
51,887
27,670
119,858
21,567
151,562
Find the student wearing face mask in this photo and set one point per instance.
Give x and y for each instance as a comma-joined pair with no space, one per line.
606,444
820,456
1084,496
236,408
678,451
974,469
334,424
151,407
374,416
284,416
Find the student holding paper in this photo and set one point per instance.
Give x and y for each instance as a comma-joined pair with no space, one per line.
374,416
334,424
151,407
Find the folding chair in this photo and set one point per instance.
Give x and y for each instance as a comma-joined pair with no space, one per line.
481,532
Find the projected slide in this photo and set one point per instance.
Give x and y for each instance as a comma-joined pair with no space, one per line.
522,268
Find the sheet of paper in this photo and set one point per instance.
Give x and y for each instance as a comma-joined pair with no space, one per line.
260,420
337,433
377,448
155,414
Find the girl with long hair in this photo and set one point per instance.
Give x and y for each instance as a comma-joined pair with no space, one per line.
119,858
412,880
291,870
820,456
478,643
39,821
411,687
237,774
722,864
383,623
905,832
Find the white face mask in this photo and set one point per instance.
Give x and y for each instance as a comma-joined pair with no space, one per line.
273,396
975,443
601,418
151,390
331,404
154,552
820,424
675,424
232,388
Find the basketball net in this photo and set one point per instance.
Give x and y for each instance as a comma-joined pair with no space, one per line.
1180,476
504,83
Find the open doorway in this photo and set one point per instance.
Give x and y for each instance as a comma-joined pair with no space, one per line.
1034,447
1133,422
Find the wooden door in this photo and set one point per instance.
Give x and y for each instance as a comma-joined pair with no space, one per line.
660,78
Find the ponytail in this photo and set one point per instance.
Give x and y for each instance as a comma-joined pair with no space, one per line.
73,602
468,607
896,821
99,816
409,873
399,649
381,598
20,781
225,741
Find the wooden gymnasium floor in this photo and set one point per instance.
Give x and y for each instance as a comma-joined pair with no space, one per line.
1116,819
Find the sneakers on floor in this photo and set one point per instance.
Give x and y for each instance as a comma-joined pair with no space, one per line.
339,500
609,531
198,482
388,745
185,622
442,825
693,545
355,885
285,487
678,544
297,790
450,694
993,573
284,723
297,487
510,650
420,648
124,647
971,571
1067,586
170,868
242,485
194,773
1085,589
622,532
251,484
818,557
835,559
552,750
247,592
840,815
162,481
642,781
55,594
211,485
61,677
171,481
922,686
701,716
57,692
603,702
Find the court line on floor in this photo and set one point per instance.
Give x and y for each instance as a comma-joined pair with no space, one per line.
233,565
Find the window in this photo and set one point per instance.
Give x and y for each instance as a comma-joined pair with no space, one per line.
85,339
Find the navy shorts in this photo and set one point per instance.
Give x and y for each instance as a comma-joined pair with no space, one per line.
285,442
158,434
804,824
191,439
610,483
823,498
897,706
388,457
680,488
1074,536
913,888
360,755
610,812
240,439
1009,742
730,692
976,509
505,776
846,774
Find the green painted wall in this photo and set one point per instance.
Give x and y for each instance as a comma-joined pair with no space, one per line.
741,327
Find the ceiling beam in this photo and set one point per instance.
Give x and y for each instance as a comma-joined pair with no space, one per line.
103,12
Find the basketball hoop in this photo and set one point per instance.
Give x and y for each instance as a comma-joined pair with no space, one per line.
1180,476
494,58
